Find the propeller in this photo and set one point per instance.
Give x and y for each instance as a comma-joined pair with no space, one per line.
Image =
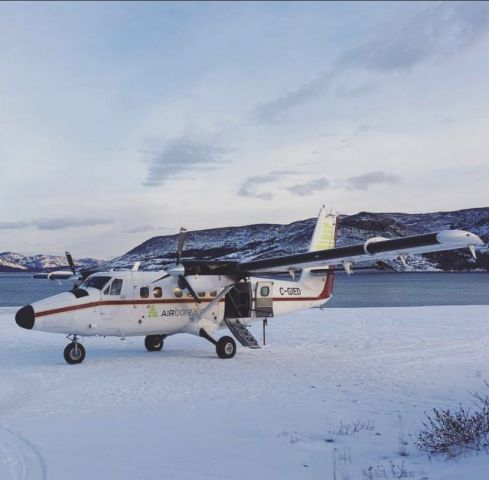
184,284
181,241
71,263
178,270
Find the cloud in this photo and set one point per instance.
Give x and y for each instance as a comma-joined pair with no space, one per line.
68,222
179,157
248,187
272,110
13,225
55,223
357,132
358,90
309,188
365,181
440,30
141,229
361,129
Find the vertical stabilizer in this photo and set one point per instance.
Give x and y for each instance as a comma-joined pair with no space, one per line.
324,236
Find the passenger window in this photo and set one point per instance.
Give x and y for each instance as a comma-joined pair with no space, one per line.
201,294
144,292
178,292
157,292
116,287
264,291
213,293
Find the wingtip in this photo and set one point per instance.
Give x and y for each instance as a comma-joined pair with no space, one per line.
458,237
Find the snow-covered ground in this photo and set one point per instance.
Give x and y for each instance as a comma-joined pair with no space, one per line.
286,411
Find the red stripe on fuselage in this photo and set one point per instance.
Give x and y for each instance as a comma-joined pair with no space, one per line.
325,293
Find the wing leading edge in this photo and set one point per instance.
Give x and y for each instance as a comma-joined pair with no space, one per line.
372,250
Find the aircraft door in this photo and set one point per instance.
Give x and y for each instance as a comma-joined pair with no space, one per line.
264,299
238,301
112,311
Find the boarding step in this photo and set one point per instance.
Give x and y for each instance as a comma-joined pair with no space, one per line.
242,334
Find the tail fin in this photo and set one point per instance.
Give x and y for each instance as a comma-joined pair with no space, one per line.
324,236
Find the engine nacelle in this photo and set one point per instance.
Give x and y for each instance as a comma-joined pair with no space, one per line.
372,240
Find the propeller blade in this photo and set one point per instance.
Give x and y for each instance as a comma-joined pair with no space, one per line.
184,284
71,263
181,241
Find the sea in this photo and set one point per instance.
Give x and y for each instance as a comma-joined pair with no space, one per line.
361,289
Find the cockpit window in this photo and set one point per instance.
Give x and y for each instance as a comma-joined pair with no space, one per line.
95,282
116,287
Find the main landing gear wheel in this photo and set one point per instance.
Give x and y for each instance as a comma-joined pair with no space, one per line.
74,353
226,347
154,343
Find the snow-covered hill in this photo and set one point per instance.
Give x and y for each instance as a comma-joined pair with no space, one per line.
266,240
14,262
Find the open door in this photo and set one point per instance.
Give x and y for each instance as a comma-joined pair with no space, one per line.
264,299
238,301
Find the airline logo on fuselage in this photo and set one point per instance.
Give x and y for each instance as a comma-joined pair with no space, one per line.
180,312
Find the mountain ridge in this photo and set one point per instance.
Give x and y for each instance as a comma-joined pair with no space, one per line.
262,240
257,241
15,262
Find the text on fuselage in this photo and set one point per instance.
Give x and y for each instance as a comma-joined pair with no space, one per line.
290,291
177,312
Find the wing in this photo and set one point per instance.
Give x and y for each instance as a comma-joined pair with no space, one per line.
59,275
71,274
373,249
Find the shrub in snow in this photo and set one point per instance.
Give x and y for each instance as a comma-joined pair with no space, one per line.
452,432
378,472
355,427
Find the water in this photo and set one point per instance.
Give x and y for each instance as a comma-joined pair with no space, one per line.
410,289
357,290
21,289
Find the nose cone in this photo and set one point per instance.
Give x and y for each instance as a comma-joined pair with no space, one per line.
25,317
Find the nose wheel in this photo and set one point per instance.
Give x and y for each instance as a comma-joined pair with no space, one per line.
74,352
154,343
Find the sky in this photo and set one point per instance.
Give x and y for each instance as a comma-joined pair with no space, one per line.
122,121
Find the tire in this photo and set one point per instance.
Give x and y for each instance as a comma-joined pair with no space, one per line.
226,347
154,343
74,353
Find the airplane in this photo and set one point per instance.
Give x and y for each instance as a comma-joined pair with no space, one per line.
199,297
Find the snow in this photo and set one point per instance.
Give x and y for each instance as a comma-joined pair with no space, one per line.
283,411
15,261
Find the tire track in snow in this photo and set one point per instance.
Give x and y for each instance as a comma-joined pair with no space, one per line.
20,459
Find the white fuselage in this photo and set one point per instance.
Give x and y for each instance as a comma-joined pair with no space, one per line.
151,303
